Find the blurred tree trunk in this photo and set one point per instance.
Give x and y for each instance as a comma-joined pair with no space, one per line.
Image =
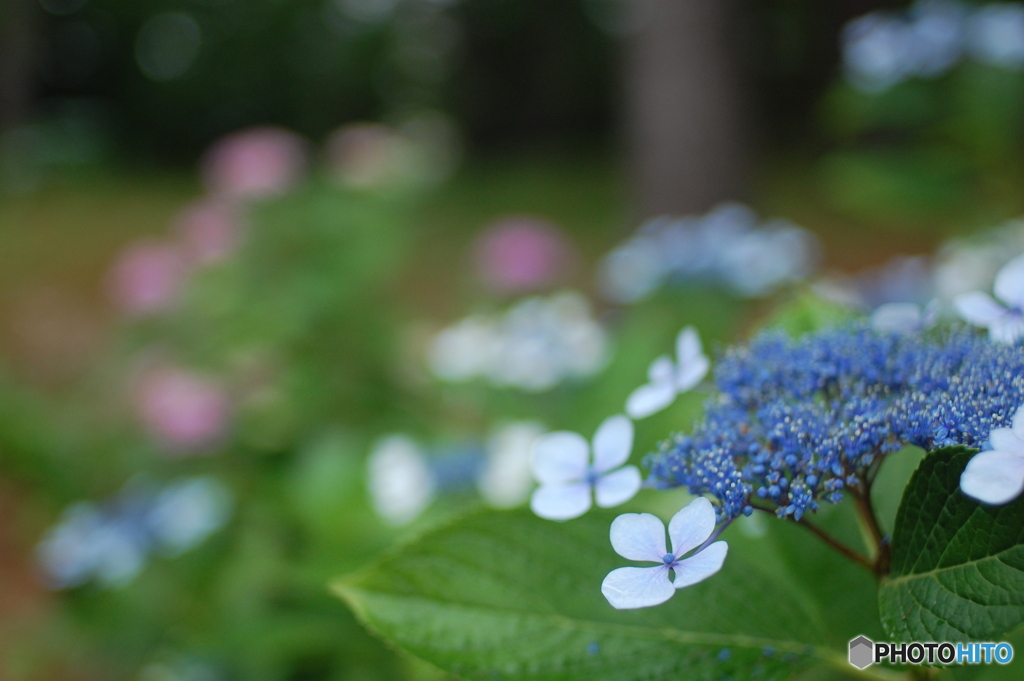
17,62
684,111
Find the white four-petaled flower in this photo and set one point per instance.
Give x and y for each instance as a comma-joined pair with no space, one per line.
1004,324
641,536
668,379
997,476
562,464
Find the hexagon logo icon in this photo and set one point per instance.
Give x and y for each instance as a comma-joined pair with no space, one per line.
862,652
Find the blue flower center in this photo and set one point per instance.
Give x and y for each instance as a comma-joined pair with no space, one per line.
668,559
591,477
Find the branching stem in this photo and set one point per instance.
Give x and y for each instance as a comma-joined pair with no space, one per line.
880,546
824,536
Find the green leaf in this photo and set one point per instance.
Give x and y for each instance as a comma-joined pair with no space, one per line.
807,312
507,595
957,565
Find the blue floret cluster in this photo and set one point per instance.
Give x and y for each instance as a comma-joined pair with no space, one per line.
799,420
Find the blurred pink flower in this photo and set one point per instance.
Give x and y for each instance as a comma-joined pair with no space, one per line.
521,253
254,163
148,277
185,411
211,230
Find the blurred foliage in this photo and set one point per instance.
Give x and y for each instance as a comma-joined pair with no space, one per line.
924,148
316,326
503,68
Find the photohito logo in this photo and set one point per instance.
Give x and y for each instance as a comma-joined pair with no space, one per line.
864,652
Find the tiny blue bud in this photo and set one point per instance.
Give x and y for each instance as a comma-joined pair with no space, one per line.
748,510
724,654
668,558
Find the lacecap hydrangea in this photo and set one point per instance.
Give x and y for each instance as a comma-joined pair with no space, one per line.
796,421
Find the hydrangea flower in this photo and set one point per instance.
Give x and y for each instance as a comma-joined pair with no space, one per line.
255,163
519,253
997,476
148,277
641,536
187,412
667,379
568,477
1004,324
797,422
110,543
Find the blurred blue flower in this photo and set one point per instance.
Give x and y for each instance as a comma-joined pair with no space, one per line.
111,544
797,421
725,246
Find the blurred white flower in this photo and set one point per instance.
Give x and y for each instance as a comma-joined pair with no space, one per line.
1004,324
995,35
641,536
904,317
536,344
506,480
423,151
562,464
400,482
667,379
997,476
962,268
466,350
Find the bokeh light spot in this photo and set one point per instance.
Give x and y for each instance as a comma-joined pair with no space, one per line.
167,45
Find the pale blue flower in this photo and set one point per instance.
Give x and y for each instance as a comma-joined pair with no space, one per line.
1005,324
641,536
667,379
997,476
568,477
